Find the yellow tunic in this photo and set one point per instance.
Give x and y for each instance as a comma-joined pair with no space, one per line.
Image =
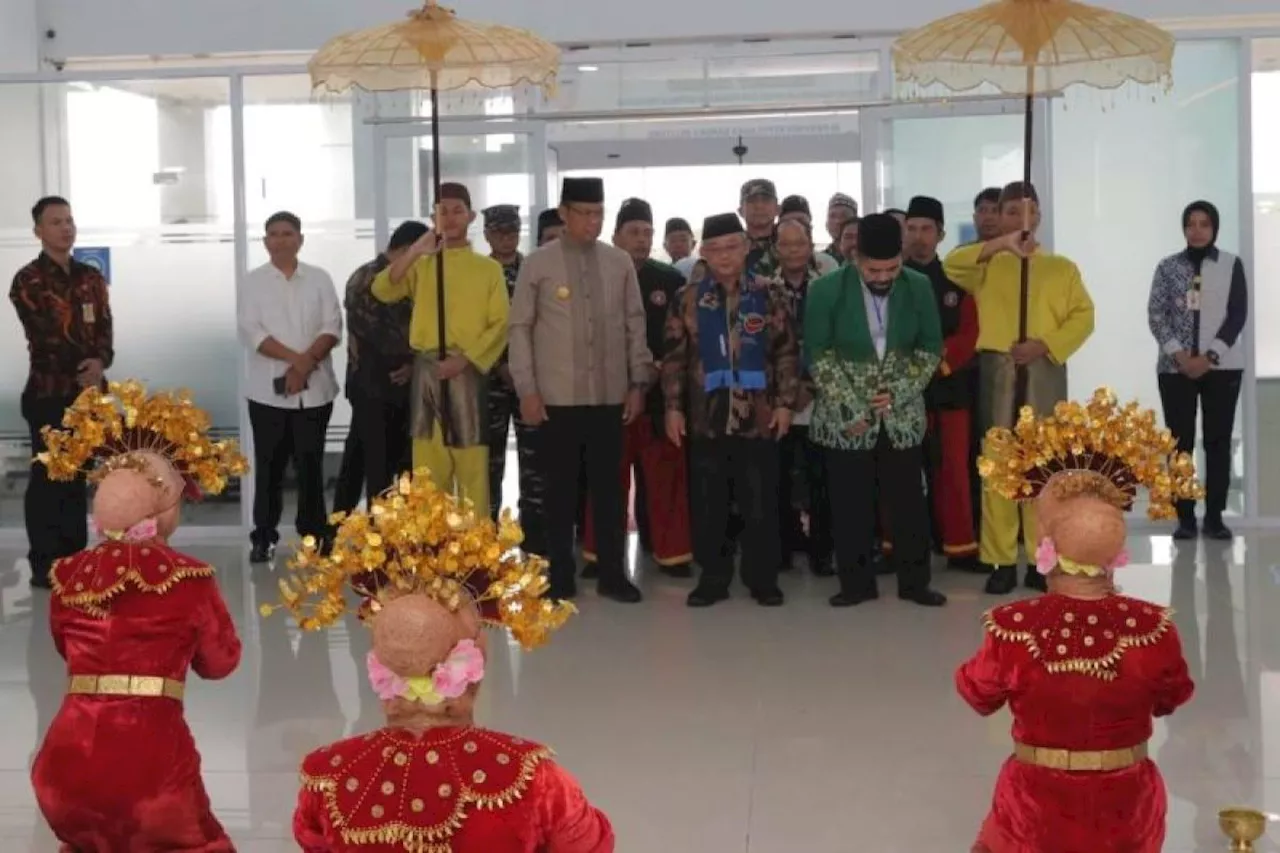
1059,310
476,307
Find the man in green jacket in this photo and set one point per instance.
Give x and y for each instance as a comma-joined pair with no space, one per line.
873,340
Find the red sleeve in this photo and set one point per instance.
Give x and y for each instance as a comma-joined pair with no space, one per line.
959,349
308,823
567,822
980,680
58,625
218,648
1174,685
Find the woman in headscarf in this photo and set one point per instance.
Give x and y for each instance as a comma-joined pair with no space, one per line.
1198,307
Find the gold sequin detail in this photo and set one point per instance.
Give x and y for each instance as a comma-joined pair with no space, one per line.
1068,617
417,805
353,785
478,777
1017,617
1088,641
388,788
401,759
377,811
387,750
504,759
1131,623
445,791
335,761
433,757
470,747
120,570
1093,620
1066,632
1062,650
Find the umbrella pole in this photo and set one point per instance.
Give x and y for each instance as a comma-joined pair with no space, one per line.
446,426
1020,373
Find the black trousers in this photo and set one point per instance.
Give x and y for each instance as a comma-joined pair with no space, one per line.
745,469
378,448
584,440
1215,396
802,487
856,478
56,512
503,403
281,436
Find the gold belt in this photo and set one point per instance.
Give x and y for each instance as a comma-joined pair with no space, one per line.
152,686
1097,761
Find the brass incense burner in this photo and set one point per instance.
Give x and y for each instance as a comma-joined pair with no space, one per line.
1243,826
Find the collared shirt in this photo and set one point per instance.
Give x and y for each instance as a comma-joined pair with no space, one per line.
877,318
577,332
66,317
295,311
377,336
1199,308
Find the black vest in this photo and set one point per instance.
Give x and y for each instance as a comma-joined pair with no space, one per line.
955,391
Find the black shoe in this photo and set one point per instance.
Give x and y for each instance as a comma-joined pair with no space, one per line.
591,571
821,567
623,592
680,570
1217,531
262,553
1003,580
924,597
1034,580
1186,532
769,598
326,545
561,593
968,565
703,597
851,598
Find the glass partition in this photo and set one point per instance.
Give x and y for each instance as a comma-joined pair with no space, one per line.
1265,287
1124,167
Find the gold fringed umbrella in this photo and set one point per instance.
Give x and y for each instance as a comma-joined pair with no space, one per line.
1030,47
433,49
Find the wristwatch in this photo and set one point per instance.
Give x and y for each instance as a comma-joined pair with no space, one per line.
1212,357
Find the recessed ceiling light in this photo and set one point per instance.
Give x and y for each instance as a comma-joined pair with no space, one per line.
588,67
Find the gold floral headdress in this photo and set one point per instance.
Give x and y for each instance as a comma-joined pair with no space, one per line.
416,538
106,431
1100,447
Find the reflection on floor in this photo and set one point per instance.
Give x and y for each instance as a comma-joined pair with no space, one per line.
733,730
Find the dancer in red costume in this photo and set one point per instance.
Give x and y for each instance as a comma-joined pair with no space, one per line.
1083,669
118,771
432,575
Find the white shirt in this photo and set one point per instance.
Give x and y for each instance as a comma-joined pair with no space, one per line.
685,266
295,311
877,318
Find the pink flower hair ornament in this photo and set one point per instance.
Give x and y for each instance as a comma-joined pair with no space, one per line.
143,531
1048,559
448,679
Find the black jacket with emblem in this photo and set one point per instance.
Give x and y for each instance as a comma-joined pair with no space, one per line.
955,388
659,284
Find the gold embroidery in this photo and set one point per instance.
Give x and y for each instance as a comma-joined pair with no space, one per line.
1102,667
94,602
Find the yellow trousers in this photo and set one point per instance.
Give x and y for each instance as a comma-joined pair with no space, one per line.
463,471
998,545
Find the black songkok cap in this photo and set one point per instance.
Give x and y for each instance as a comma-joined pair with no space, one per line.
455,191
879,237
721,225
633,210
795,204
676,225
582,191
548,219
925,207
502,216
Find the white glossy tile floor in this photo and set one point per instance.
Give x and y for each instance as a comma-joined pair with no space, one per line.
731,730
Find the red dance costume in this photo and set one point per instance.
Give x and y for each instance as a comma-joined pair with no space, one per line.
1083,680
950,420
118,771
450,790
666,491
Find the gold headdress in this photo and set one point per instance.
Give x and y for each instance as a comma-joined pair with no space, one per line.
102,432
418,539
1099,446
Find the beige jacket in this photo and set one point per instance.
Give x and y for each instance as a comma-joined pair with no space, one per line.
577,326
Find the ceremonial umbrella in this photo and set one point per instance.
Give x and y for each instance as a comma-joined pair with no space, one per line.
1030,47
434,50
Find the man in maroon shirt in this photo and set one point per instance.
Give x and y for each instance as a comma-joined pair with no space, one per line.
62,305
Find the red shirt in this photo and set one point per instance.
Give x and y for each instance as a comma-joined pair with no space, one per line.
67,319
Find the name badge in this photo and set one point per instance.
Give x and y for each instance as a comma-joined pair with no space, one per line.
1193,300
86,312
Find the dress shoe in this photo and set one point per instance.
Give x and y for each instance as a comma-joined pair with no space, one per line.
769,597
852,598
623,592
679,570
1003,580
1034,580
591,571
1186,532
924,597
561,593
262,553
702,597
1217,531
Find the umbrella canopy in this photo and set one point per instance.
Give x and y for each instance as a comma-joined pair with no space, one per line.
1027,46
434,49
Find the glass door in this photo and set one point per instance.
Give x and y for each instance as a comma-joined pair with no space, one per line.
951,151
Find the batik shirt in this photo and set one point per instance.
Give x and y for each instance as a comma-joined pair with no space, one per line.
377,335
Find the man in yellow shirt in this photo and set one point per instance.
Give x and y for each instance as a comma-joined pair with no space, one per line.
450,430
1059,320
